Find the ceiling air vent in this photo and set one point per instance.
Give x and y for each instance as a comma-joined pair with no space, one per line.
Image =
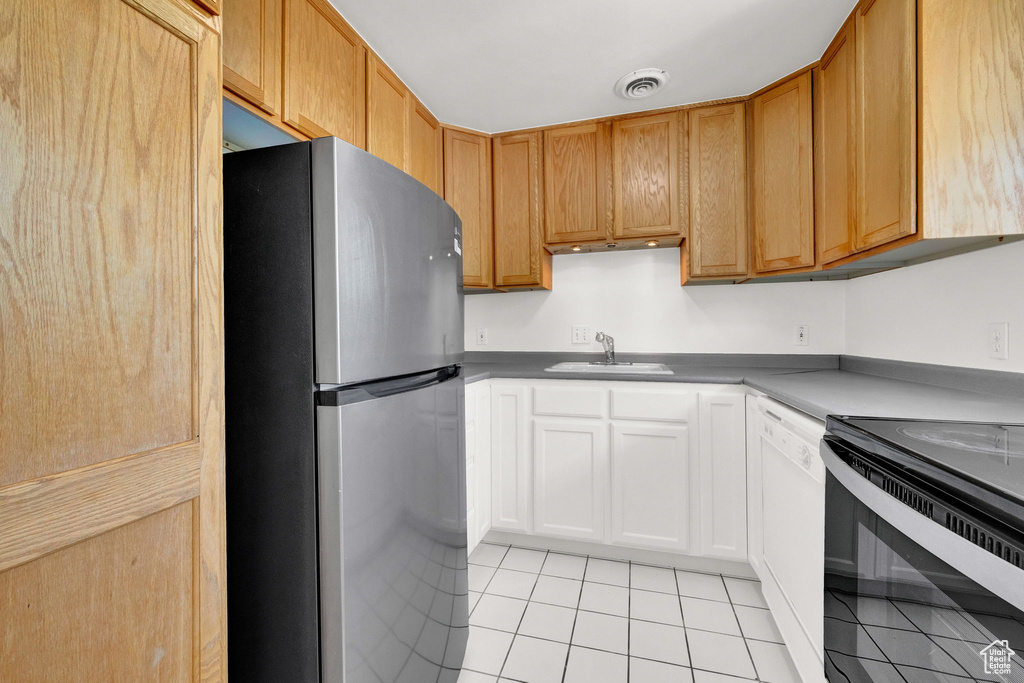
643,83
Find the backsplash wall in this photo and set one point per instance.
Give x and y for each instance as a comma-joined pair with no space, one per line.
635,296
939,312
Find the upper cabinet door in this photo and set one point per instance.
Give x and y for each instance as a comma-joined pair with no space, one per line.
886,121
252,51
577,190
718,191
387,118
834,152
646,176
425,147
467,188
324,73
783,185
519,256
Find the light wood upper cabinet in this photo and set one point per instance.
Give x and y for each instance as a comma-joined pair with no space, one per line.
112,549
388,102
425,163
835,151
252,51
467,188
886,121
717,242
577,183
645,176
972,117
520,259
783,185
324,73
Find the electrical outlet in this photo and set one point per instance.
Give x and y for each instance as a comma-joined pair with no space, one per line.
800,335
580,334
998,339
481,336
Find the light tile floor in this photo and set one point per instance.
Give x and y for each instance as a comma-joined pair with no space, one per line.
546,617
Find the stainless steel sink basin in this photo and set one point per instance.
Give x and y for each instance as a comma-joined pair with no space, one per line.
611,368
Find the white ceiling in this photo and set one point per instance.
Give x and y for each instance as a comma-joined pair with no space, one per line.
498,65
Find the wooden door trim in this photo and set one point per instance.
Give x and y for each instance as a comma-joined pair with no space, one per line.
44,515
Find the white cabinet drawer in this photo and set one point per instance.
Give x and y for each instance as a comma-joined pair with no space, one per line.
569,401
656,405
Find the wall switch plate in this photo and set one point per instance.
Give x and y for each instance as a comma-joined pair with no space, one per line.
580,334
800,335
481,336
998,338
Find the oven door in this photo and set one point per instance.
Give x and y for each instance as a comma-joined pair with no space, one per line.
908,600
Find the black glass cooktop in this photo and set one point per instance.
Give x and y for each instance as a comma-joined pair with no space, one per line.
983,461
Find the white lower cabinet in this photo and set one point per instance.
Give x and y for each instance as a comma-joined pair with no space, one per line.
650,486
723,475
570,478
647,465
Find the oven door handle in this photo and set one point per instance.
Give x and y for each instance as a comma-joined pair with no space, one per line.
987,570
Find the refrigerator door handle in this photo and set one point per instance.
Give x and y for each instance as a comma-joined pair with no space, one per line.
343,396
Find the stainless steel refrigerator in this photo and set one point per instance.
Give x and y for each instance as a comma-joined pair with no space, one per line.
345,463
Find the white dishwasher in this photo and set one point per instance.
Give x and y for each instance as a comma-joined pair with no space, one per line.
793,529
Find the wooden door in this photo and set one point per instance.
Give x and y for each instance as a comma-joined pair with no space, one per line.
783,184
570,478
387,115
717,243
324,73
577,183
886,121
835,182
111,385
425,147
467,187
645,176
252,51
519,256
650,484
723,484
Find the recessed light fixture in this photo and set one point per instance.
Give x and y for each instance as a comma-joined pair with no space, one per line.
611,245
577,248
652,243
641,83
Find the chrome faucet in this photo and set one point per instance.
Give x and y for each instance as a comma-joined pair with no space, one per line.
609,346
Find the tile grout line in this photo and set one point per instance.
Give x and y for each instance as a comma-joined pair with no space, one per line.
575,616
746,645
686,635
515,635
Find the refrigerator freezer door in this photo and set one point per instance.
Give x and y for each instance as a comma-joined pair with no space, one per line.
387,268
393,585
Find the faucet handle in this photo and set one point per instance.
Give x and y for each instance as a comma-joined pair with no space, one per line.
599,337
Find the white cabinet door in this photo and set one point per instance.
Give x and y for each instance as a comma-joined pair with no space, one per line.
570,478
723,480
482,397
510,457
472,434
755,528
478,463
650,486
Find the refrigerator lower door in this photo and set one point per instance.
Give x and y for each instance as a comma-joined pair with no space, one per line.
387,269
393,587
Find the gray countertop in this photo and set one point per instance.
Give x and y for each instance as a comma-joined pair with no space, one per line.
818,391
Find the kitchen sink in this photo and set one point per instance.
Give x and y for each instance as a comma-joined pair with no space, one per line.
612,368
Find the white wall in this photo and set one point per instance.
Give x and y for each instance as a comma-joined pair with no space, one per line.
635,296
938,312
